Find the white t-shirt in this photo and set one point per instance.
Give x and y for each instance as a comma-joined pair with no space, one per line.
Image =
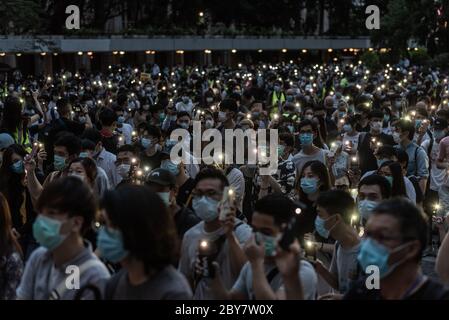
437,176
300,159
189,250
307,274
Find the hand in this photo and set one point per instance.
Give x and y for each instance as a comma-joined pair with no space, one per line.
331,296
15,233
41,155
330,160
30,164
254,252
229,221
288,261
35,94
319,267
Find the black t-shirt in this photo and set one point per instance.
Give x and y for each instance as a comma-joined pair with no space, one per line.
184,220
153,161
184,192
306,220
430,290
367,160
74,127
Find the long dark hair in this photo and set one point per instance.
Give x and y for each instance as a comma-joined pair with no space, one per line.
11,183
148,230
12,115
321,171
8,242
398,187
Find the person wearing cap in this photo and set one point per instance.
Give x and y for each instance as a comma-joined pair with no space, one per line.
5,141
163,183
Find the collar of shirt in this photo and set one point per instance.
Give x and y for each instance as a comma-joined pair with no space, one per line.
81,257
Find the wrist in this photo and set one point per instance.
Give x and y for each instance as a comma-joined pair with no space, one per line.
257,264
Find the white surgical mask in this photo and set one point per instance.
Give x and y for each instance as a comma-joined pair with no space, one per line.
123,170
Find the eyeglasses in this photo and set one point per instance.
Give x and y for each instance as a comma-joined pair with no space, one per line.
208,193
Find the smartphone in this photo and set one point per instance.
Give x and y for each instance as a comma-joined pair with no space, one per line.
206,250
35,150
226,202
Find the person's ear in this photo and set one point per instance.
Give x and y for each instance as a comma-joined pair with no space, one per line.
413,250
77,225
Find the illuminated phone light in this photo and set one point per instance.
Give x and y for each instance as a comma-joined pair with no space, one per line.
309,244
204,244
437,206
97,224
220,156
90,53
433,107
255,150
342,121
80,53
354,159
361,232
134,133
230,192
276,116
122,53
298,211
147,168
133,160
379,144
120,139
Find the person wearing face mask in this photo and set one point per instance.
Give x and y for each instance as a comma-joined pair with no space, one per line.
163,183
392,171
149,143
371,191
263,276
418,161
103,158
185,104
396,236
125,162
122,127
314,179
276,98
208,122
368,142
13,187
66,148
144,243
227,115
437,176
67,209
226,235
350,137
335,218
308,132
422,131
101,181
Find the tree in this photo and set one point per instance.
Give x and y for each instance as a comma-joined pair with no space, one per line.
19,16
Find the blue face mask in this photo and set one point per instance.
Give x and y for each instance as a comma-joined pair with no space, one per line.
319,227
205,208
17,167
290,98
390,180
59,162
281,150
291,128
366,208
309,185
110,245
146,143
46,232
341,114
121,120
269,242
306,139
347,128
170,166
84,155
374,253
386,117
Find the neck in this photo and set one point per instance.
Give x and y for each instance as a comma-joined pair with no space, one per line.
136,271
405,142
375,133
229,124
395,285
212,226
151,150
312,197
308,149
69,249
346,235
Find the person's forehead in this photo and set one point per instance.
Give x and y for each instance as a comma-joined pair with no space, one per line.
76,165
382,222
184,118
370,189
261,220
124,154
208,184
306,128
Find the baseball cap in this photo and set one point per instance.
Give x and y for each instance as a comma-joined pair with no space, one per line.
5,141
161,176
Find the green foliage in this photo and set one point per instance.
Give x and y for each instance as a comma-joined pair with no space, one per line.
371,59
419,57
19,16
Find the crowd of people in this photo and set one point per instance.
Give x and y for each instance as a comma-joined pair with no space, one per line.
87,180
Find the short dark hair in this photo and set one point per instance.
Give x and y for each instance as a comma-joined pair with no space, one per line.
288,138
278,206
71,142
107,117
402,156
148,234
382,182
154,131
229,104
72,196
183,114
375,114
386,151
308,122
87,144
412,222
92,134
337,202
406,125
128,148
211,173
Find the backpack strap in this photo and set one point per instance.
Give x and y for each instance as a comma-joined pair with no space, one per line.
269,276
